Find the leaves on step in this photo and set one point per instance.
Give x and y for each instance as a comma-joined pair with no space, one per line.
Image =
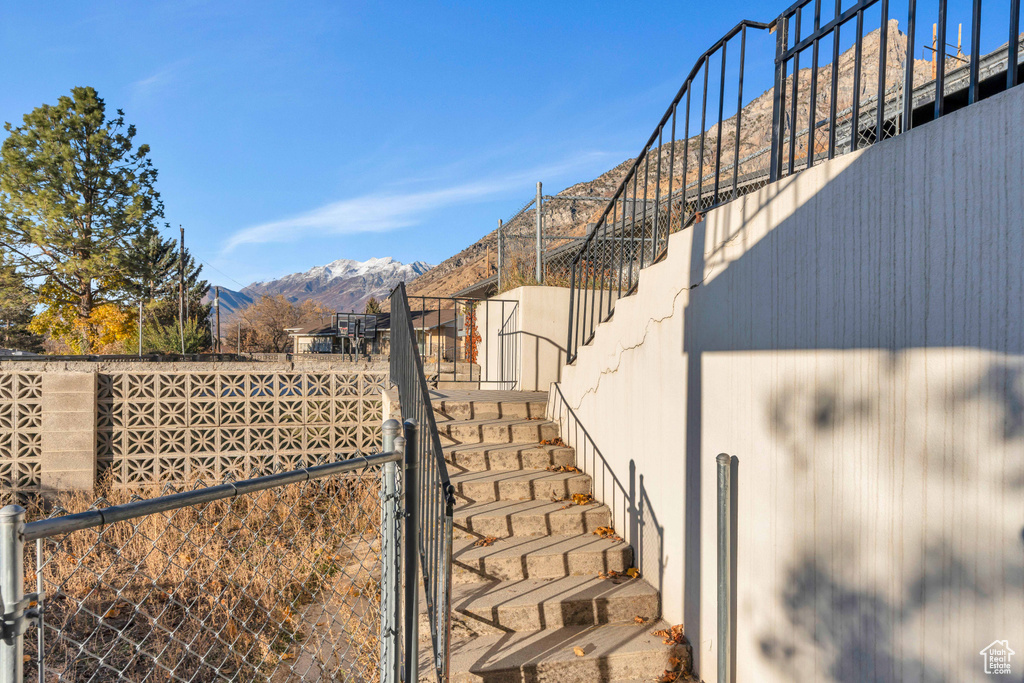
671,636
557,441
484,542
640,620
582,498
579,651
563,469
619,577
673,673
607,532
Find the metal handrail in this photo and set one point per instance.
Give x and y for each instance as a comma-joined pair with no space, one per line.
434,495
623,240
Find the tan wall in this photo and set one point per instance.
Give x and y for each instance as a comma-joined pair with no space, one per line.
534,343
854,335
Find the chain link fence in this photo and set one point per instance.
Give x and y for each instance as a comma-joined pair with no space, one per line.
271,579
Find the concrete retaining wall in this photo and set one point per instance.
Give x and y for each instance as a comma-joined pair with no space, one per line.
854,335
528,342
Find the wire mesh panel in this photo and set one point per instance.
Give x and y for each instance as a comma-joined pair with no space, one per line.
281,584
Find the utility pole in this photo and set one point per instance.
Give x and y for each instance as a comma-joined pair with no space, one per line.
216,304
140,327
181,288
538,273
499,254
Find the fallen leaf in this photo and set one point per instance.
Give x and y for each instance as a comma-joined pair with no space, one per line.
557,441
674,661
111,613
668,677
287,655
579,651
582,498
484,542
640,620
563,469
26,658
633,572
672,636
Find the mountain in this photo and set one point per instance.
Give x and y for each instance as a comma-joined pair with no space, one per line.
344,285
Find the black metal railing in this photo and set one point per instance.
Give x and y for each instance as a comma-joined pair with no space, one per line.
433,496
869,88
469,341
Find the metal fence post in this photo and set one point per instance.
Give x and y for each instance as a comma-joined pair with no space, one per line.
539,274
724,567
389,586
12,580
410,539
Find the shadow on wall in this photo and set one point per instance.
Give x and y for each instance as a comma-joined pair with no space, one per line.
632,510
918,280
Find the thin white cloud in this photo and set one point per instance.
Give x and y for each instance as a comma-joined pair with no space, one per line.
144,87
382,212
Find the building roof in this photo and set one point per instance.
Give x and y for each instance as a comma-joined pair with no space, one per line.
315,330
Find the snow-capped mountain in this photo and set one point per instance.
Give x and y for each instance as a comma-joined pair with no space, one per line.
344,285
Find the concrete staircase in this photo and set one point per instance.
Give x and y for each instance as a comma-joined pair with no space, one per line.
528,604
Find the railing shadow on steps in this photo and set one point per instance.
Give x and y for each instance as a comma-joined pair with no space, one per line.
686,168
631,510
430,514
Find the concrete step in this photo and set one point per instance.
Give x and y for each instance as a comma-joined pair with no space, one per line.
486,486
611,652
537,557
529,518
535,604
498,431
476,409
515,456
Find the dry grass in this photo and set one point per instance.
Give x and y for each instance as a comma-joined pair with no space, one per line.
279,585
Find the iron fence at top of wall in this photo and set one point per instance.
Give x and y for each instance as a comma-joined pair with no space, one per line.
427,478
291,576
844,76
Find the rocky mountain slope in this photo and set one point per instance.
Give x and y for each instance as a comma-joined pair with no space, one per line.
344,285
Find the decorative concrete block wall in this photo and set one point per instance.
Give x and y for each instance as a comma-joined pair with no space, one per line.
21,422
62,429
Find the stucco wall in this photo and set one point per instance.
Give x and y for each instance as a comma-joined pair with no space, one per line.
854,335
527,340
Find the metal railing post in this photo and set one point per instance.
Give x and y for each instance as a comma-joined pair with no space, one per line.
444,614
12,580
539,273
389,585
410,539
724,567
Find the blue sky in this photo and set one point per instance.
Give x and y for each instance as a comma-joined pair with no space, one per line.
288,135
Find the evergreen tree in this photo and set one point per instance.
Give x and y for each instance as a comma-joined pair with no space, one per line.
16,310
75,192
372,305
